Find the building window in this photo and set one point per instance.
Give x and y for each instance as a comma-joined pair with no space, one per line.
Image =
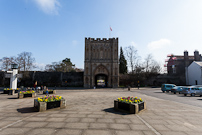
174,70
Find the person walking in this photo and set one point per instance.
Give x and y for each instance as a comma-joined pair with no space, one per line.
47,94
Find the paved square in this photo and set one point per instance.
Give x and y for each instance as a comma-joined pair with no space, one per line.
90,112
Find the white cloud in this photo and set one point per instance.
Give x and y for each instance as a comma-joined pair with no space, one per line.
133,44
48,6
154,45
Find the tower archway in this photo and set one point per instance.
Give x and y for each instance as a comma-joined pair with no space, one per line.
101,81
101,76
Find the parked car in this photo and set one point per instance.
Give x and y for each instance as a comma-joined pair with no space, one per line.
197,85
167,87
177,89
192,90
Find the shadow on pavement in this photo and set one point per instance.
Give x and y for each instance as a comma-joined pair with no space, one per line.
158,92
112,110
27,110
199,99
13,98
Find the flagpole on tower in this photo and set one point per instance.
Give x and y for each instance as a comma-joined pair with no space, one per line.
110,29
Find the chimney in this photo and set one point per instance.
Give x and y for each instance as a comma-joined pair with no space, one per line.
186,58
196,56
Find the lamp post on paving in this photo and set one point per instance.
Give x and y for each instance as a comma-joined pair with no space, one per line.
13,76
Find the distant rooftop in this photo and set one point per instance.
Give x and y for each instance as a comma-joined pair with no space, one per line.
199,63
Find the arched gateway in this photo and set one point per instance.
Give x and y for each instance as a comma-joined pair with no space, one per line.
101,63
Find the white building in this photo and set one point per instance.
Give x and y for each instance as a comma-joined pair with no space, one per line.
194,73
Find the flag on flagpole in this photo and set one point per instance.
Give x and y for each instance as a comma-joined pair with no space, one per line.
110,28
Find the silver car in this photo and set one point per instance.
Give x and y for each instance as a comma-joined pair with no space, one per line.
177,89
192,90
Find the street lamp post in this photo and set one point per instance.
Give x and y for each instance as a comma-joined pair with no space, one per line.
13,78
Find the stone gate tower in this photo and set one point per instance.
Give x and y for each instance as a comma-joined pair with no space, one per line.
101,68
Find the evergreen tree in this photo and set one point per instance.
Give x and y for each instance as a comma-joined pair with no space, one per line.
122,63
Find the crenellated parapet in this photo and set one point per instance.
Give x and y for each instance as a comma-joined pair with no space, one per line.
100,39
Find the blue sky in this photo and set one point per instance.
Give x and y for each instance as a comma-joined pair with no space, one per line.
55,29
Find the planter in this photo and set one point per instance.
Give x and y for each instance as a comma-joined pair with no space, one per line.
5,92
21,95
54,104
132,108
141,106
16,91
50,92
43,106
11,92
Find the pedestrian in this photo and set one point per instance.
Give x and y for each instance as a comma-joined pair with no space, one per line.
34,86
41,88
47,94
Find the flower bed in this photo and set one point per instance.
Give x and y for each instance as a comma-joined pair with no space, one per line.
29,93
49,102
129,104
50,92
10,91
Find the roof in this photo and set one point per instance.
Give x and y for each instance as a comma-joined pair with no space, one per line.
182,57
179,57
199,63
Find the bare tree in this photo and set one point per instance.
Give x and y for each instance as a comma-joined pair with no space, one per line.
150,65
147,63
49,68
132,57
25,61
6,62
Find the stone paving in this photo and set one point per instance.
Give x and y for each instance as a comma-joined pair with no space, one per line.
90,112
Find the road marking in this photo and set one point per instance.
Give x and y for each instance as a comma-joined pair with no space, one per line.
16,122
189,125
149,126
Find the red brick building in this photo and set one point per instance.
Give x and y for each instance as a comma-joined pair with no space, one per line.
178,64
